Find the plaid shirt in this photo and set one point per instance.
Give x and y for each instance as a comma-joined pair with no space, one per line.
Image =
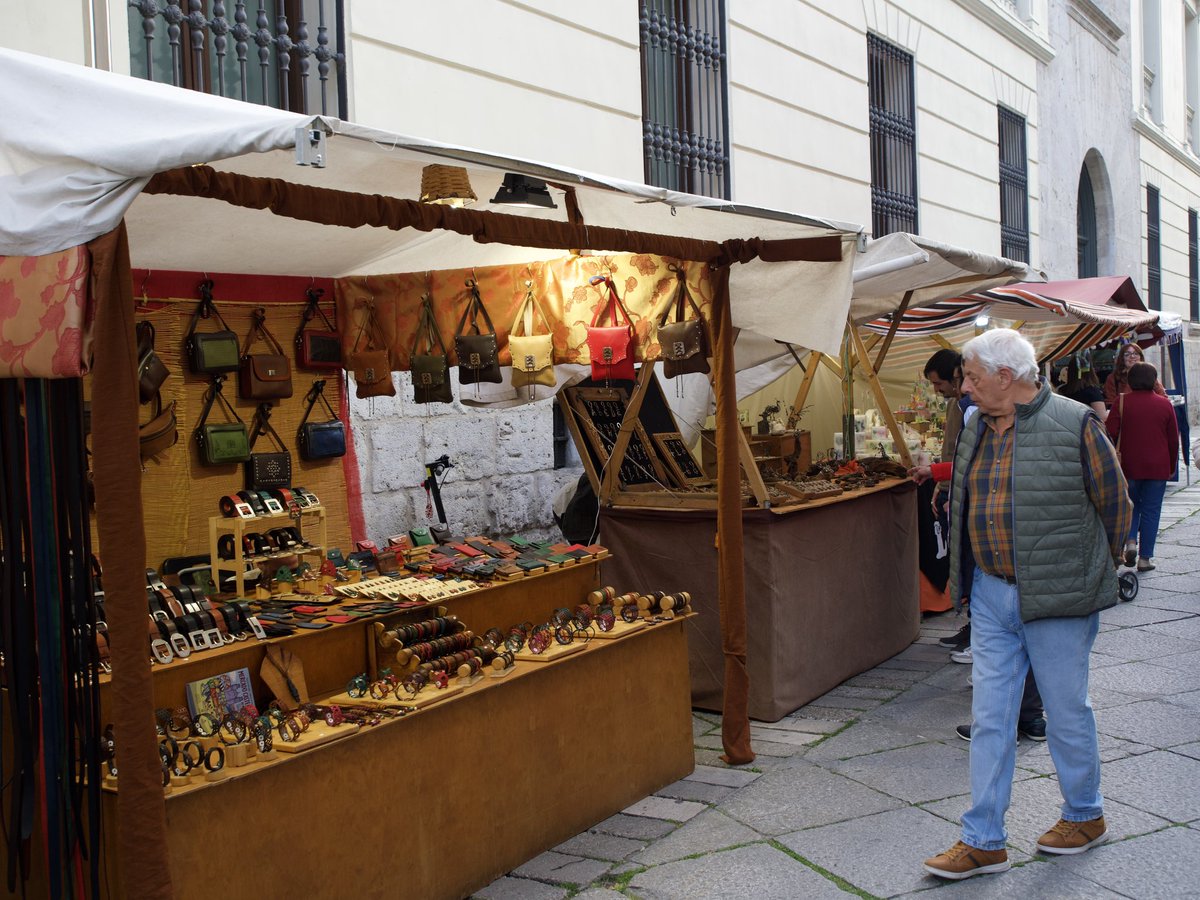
989,494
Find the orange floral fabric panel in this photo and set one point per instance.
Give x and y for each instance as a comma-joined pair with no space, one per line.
644,283
45,315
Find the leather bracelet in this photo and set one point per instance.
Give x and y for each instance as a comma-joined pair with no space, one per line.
185,753
219,753
205,725
232,730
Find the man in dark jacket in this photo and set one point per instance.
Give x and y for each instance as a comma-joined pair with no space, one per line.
1039,503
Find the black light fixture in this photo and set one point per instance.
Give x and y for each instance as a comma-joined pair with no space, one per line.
520,190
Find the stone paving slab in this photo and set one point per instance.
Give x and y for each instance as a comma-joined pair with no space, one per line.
812,726
929,715
914,774
710,831
599,894
1035,757
702,726
562,867
509,888
637,827
759,871
762,746
782,736
1129,615
803,796
1133,644
1192,750
1153,722
663,808
862,738
695,790
1168,600
823,713
1186,627
1166,784
1032,880
1186,662
597,845
881,854
722,777
1103,698
1143,679
1159,866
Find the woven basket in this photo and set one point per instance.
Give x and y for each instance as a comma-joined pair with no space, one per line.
447,185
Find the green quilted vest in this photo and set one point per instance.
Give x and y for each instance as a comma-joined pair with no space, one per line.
1064,564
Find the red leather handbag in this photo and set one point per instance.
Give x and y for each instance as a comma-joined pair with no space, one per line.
611,346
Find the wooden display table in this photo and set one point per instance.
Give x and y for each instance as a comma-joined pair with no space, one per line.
831,588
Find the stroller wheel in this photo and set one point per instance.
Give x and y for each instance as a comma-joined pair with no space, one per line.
1127,585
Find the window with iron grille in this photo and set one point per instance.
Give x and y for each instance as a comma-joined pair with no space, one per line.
1193,266
685,131
1153,250
1014,187
1085,226
893,138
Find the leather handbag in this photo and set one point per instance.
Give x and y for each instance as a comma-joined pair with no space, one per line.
533,354
430,370
684,347
161,432
152,372
263,376
478,353
320,440
273,469
372,364
317,349
213,352
611,346
226,442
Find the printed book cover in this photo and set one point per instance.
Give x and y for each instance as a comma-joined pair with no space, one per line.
229,692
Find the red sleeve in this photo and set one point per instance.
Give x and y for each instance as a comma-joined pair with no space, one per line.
1110,390
941,471
1113,423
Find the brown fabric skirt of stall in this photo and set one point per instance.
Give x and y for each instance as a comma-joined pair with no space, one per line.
735,719
141,839
331,207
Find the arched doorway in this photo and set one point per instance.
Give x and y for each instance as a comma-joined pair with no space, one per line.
1095,235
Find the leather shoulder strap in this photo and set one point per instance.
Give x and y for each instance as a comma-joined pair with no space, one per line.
258,329
262,425
215,394
316,393
475,308
204,309
427,329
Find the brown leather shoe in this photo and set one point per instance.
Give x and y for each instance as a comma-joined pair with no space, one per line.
1066,837
963,861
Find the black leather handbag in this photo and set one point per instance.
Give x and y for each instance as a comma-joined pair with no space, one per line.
210,352
478,355
430,369
273,469
320,440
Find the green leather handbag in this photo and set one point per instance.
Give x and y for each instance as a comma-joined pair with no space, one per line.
224,442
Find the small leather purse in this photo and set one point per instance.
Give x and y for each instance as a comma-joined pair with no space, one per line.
372,364
273,469
478,355
430,370
533,354
317,349
263,376
213,352
226,442
152,372
683,344
320,440
610,346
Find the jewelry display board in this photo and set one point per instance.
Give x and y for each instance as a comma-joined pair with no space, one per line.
679,458
600,412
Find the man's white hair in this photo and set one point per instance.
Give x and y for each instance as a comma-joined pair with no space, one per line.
1003,348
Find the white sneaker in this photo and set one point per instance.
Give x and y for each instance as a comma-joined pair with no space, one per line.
962,656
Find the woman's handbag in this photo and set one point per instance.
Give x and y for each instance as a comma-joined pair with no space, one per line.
430,370
318,349
266,471
223,443
263,376
533,354
320,440
610,346
151,370
478,355
210,353
371,365
160,432
684,343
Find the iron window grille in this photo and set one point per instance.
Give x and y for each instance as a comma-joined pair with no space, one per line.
1193,267
685,128
1085,223
893,138
1014,187
1153,249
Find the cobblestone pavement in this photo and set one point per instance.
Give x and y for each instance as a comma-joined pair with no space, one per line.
851,793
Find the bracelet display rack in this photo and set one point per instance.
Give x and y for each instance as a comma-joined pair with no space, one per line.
312,527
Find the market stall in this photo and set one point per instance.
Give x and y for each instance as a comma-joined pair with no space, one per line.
119,158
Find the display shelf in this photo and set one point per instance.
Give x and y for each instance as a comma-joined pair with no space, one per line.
219,526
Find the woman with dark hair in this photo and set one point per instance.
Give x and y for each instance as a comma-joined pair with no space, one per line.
1142,425
1118,382
1083,387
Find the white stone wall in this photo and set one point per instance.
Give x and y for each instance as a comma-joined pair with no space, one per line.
502,482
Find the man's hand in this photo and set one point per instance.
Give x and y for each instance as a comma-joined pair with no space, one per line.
920,474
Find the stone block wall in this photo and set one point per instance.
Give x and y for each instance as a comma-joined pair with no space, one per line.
503,479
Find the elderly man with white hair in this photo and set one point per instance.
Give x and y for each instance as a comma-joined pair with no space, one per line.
1039,511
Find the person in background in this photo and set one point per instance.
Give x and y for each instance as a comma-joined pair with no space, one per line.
1083,387
1118,382
1143,426
1040,508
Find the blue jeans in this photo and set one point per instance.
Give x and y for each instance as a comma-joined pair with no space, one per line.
1004,648
1147,497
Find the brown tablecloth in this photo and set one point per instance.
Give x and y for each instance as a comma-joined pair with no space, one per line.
831,591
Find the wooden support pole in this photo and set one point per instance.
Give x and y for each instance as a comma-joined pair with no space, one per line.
887,341
801,395
612,471
885,408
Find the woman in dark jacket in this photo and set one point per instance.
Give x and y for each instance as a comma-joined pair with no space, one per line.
1142,425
